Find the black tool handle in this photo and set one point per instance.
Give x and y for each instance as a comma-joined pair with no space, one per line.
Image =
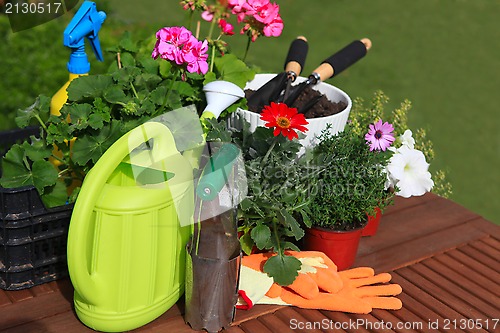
296,57
345,58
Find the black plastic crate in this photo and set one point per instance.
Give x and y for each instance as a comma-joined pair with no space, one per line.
32,239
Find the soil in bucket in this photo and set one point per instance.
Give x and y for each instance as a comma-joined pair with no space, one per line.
323,108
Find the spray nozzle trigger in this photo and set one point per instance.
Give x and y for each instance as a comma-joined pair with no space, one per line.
86,23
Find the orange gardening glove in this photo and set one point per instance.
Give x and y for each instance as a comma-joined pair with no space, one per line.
348,291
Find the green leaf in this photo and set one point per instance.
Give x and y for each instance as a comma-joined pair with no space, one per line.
90,147
305,218
149,64
127,59
126,75
44,174
261,235
147,80
127,44
96,121
157,96
15,172
115,95
165,68
246,243
55,195
39,109
79,115
282,268
234,70
89,86
37,150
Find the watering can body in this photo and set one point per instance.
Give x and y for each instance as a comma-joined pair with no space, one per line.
126,245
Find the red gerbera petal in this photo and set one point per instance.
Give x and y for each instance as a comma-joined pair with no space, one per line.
284,120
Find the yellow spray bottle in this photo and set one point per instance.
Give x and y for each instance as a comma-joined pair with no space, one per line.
86,23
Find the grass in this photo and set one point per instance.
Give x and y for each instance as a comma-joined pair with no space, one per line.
440,54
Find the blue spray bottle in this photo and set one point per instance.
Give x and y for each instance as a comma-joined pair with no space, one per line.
86,23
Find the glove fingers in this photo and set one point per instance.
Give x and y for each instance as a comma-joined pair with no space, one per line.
383,290
356,273
328,280
387,303
325,301
366,281
305,286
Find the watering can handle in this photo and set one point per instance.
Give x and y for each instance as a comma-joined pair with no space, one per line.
164,145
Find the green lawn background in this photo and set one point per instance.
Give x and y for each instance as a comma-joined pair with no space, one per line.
443,55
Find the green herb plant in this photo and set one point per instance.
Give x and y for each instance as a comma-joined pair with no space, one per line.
352,185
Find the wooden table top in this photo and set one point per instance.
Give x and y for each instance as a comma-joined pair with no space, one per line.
445,257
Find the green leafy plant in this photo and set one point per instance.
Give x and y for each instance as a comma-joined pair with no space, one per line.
352,186
273,215
100,109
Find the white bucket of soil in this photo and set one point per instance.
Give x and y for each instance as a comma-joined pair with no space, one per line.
337,120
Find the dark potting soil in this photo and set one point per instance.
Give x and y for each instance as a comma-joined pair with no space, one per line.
324,107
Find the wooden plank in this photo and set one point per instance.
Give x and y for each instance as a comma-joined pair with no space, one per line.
414,250
256,311
478,277
404,316
445,297
392,321
19,295
493,264
486,249
344,321
401,203
475,265
459,280
172,325
316,316
34,309
41,290
422,304
276,323
254,326
234,329
294,319
371,323
4,299
62,322
431,216
494,243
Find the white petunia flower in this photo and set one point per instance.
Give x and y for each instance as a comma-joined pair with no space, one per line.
409,170
406,139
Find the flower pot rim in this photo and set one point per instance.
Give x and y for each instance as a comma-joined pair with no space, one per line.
339,231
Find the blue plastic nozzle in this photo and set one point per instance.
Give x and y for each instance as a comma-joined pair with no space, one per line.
86,23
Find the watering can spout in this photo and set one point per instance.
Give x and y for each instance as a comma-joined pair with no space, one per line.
220,95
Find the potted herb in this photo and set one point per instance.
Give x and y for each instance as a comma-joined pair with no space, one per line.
349,189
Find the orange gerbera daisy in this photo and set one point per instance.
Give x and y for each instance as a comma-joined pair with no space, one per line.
284,119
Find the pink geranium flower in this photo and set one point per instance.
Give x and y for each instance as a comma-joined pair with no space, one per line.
226,27
380,137
198,58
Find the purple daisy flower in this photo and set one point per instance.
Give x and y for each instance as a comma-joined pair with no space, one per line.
380,137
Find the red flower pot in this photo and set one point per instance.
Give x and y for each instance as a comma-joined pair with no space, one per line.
373,223
340,246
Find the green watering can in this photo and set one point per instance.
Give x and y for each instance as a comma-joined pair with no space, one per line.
126,243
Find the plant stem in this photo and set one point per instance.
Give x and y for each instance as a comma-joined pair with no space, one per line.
211,30
133,89
213,58
248,47
275,230
175,73
37,117
264,160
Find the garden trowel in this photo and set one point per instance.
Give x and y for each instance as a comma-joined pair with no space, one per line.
271,91
330,67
